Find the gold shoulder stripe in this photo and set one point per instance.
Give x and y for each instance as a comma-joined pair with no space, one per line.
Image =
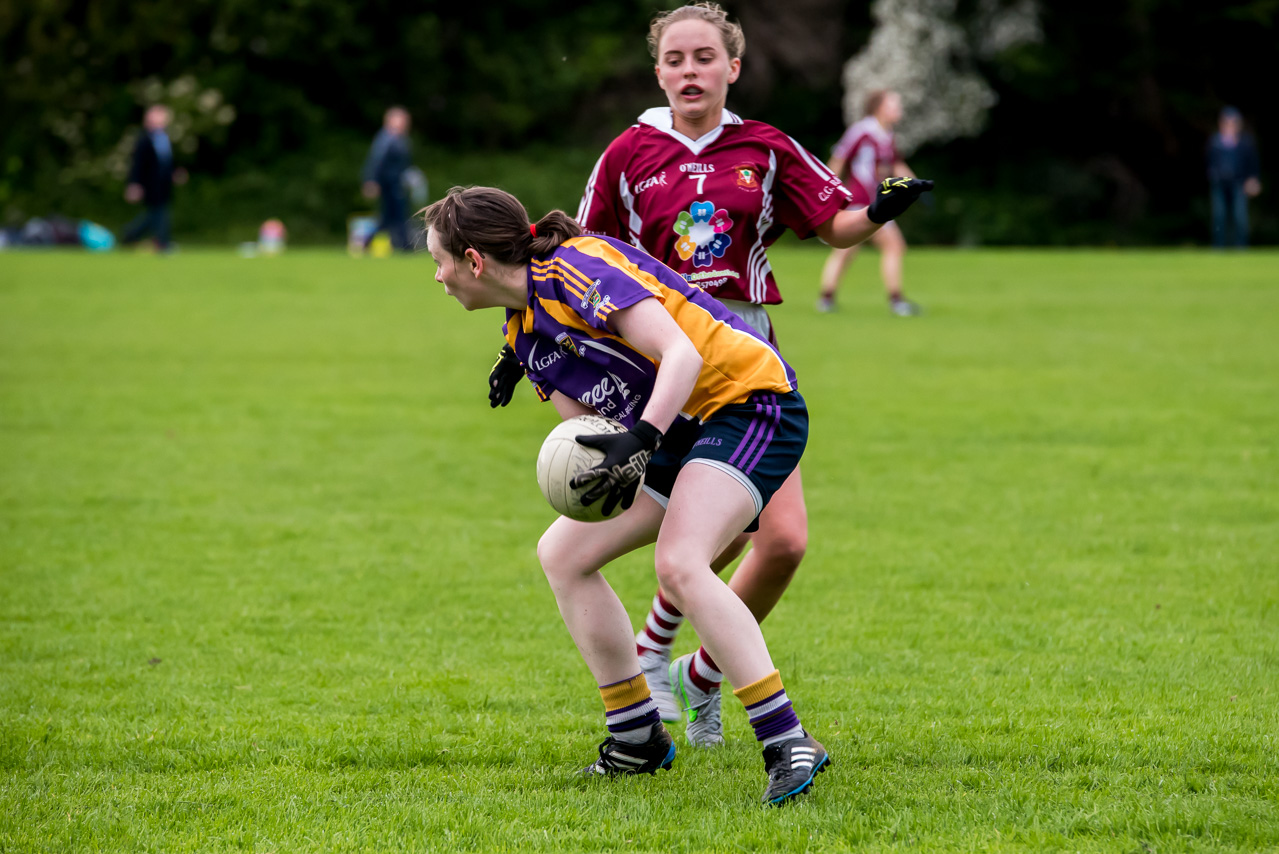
602,250
558,275
565,316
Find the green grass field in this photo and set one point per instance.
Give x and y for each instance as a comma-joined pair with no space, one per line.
268,582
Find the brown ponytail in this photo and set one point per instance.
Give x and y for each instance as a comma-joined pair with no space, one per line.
495,224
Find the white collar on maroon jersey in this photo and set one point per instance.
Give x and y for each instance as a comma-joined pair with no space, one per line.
876,127
662,119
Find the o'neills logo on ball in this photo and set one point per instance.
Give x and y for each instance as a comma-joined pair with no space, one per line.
568,344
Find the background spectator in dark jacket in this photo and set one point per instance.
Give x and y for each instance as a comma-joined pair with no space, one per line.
384,176
1233,177
151,179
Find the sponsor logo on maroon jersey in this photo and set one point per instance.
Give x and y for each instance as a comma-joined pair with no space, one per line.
650,183
702,231
697,168
832,187
709,279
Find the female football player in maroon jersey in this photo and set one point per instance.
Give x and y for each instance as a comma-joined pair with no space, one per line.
864,155
707,192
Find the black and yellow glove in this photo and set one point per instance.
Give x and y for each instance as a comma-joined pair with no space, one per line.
893,196
505,376
621,472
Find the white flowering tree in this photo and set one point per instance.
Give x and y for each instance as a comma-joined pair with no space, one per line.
921,50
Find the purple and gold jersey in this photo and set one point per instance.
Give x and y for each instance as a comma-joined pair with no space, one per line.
567,344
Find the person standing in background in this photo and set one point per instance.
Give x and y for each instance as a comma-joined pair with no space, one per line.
383,176
1233,178
151,179
864,156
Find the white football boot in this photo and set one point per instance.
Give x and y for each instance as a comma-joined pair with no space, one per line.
701,709
656,669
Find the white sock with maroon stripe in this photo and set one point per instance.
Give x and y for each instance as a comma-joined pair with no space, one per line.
703,672
659,629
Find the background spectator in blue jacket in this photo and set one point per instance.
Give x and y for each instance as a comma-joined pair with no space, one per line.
1233,178
384,176
152,175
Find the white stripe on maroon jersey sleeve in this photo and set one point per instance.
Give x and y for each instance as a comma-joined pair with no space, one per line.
634,223
588,196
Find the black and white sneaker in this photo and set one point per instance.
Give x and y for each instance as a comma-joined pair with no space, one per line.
618,757
792,765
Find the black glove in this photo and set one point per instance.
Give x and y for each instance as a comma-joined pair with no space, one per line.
622,471
893,196
505,376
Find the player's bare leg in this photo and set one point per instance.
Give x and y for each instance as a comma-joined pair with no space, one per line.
892,249
776,550
832,271
572,554
654,641
706,511
731,553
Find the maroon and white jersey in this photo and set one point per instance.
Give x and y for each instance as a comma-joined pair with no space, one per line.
868,152
709,208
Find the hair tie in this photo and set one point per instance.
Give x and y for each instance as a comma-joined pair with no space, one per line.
532,229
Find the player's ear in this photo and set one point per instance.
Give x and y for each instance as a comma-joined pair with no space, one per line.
476,260
734,69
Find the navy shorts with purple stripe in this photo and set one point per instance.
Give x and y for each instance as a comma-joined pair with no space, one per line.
758,442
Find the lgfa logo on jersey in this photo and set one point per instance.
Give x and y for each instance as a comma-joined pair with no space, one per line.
747,176
703,233
567,342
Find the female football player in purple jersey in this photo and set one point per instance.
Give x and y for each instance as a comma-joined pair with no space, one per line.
708,192
715,427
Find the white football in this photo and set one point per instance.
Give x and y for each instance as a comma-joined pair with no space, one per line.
562,458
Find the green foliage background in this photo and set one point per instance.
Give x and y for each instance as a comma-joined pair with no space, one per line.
1098,136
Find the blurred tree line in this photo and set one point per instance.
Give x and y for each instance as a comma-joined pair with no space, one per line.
1096,134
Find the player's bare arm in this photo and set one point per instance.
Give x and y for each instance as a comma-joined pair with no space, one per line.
892,197
847,228
648,327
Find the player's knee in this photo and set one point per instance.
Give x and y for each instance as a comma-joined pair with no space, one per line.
783,553
557,557
676,570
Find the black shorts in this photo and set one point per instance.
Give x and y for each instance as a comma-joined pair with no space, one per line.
758,442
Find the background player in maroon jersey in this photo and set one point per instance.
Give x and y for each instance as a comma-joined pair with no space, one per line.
865,155
707,193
